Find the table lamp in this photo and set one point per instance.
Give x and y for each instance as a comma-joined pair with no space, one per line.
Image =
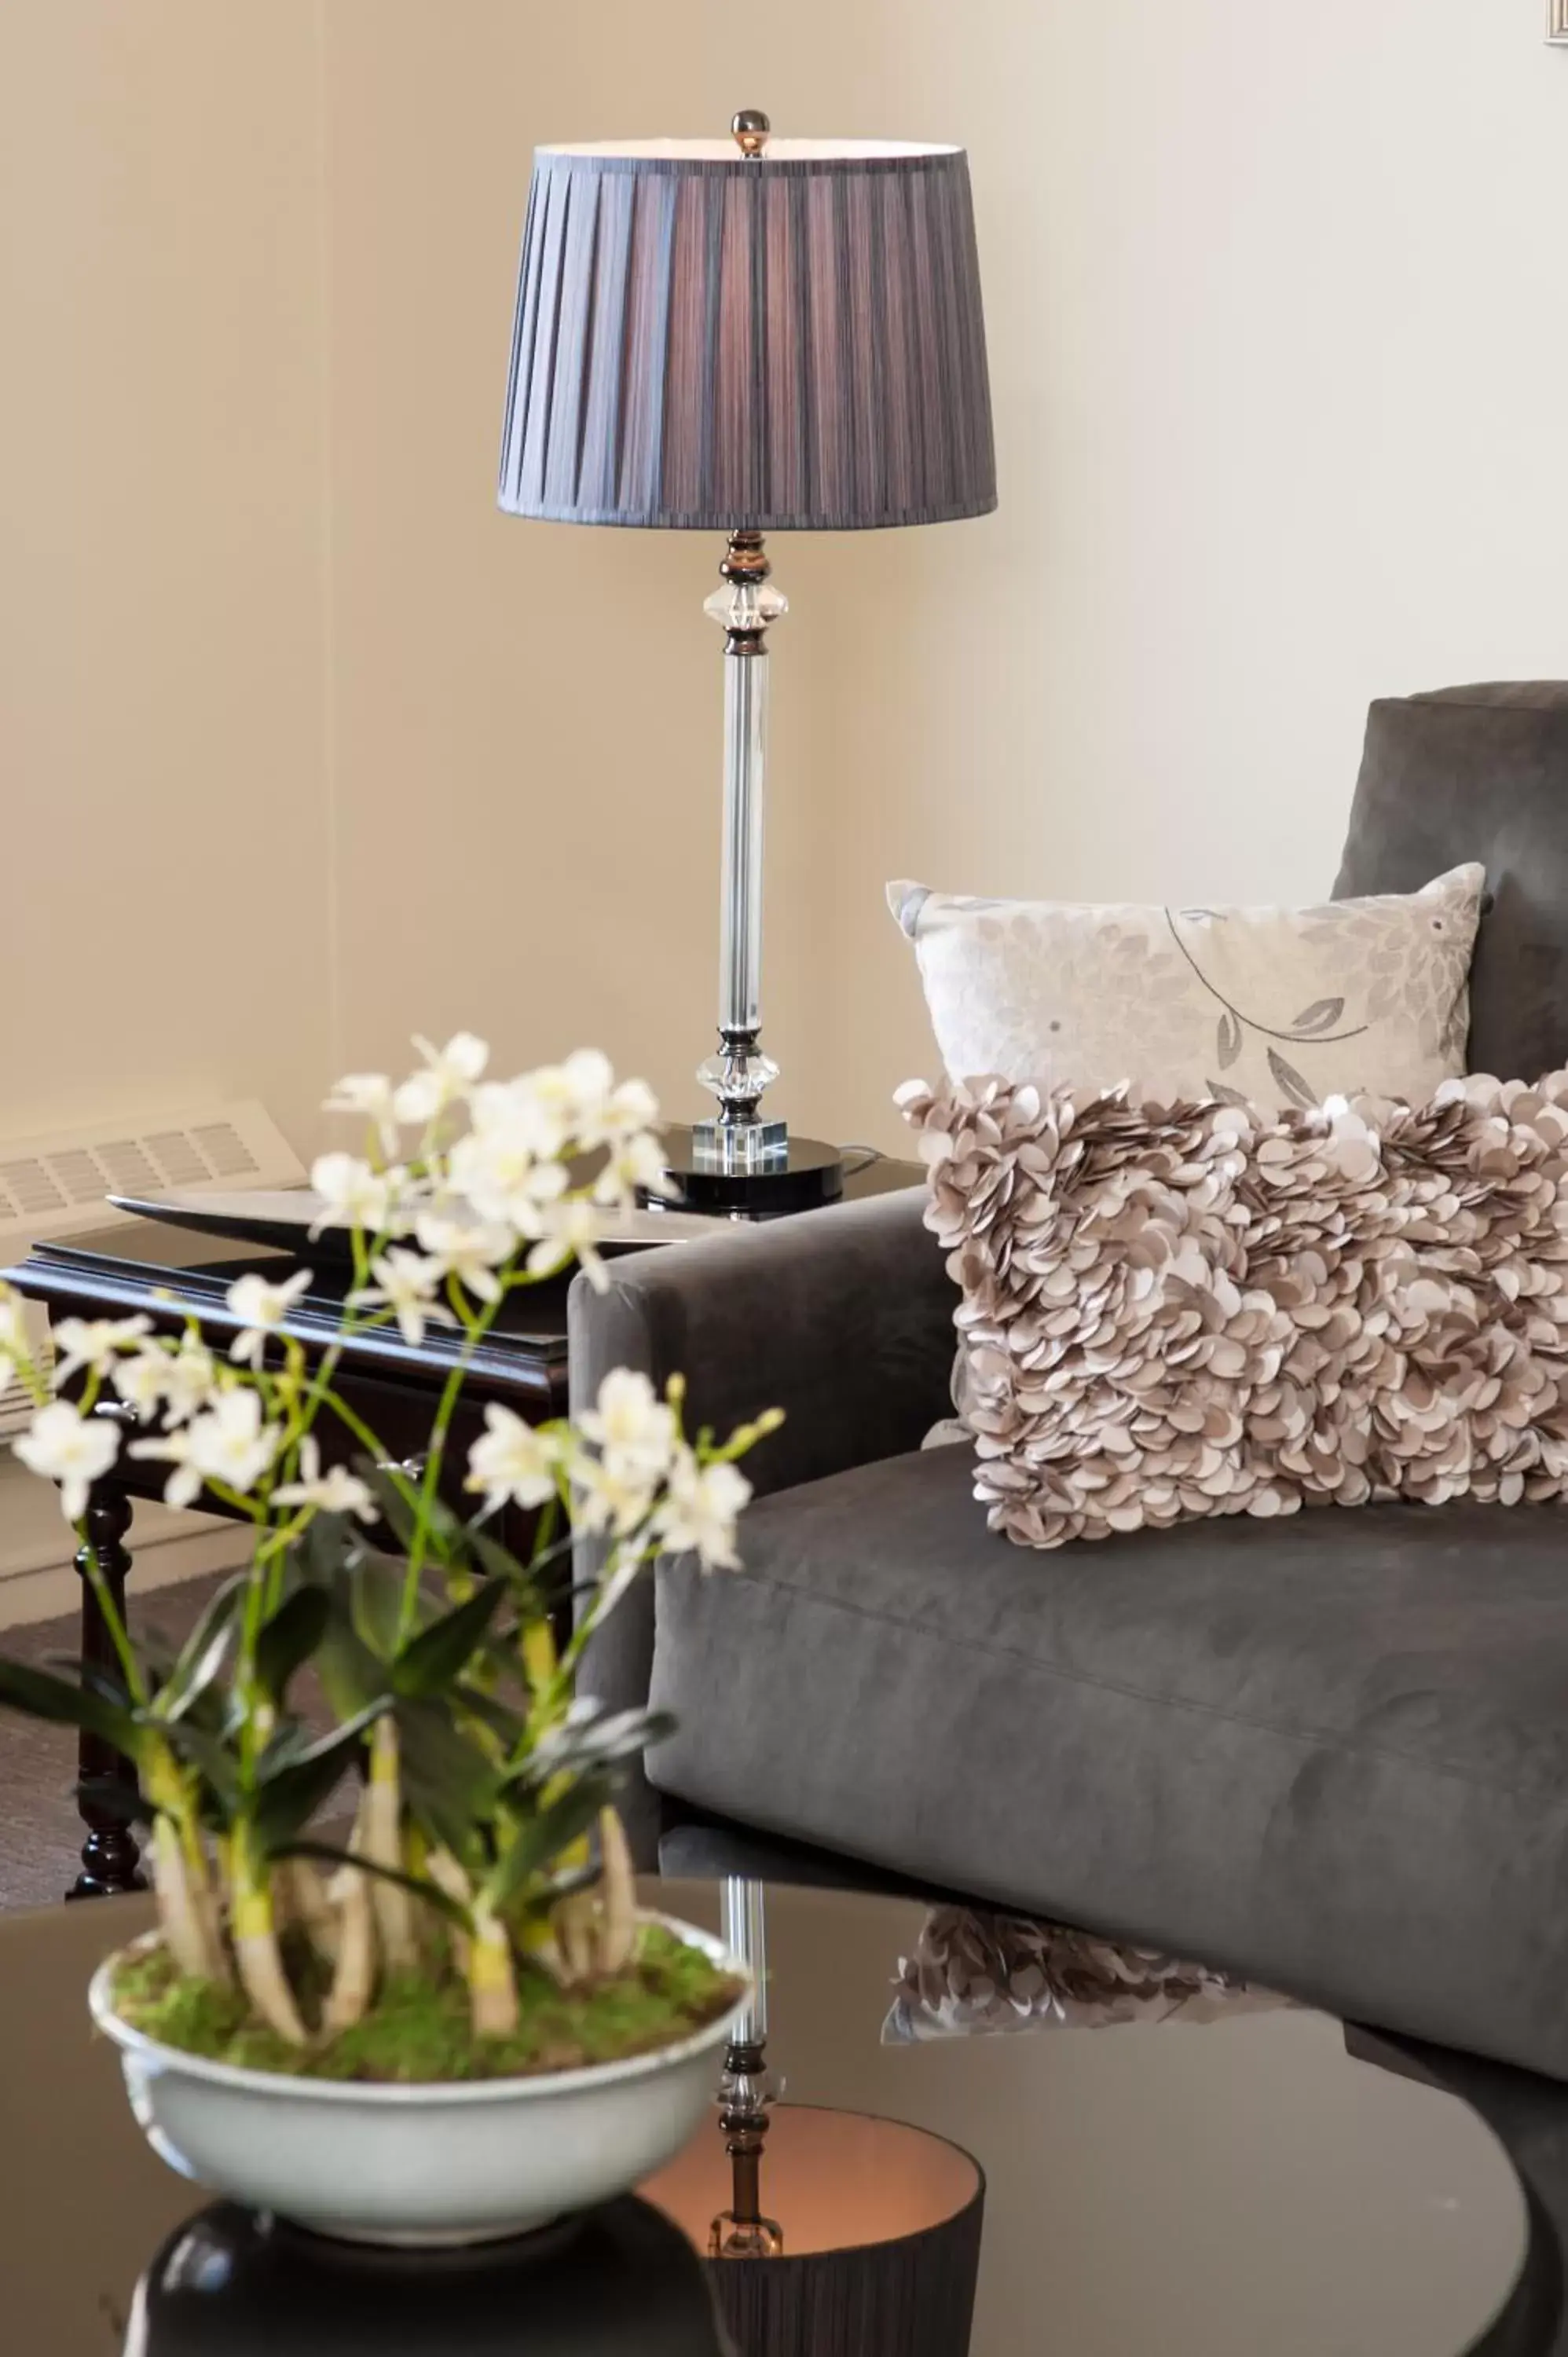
748,336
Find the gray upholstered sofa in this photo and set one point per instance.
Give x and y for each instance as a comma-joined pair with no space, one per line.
1332,1753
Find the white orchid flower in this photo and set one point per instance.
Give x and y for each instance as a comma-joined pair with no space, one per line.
604,1111
698,1513
230,1442
94,1343
353,1194
191,1381
582,1087
184,1484
610,1493
408,1286
368,1094
336,1491
470,1250
571,1232
635,1165
261,1308
511,1461
528,1118
447,1075
499,1169
631,1106
631,1426
71,1449
143,1380
579,1103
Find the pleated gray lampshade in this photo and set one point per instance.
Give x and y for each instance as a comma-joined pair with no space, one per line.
789,342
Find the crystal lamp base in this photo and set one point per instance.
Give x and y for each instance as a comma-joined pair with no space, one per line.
740,1147
749,1170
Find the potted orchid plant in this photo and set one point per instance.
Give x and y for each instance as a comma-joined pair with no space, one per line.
437,2012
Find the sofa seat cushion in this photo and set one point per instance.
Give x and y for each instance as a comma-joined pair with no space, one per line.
1330,1754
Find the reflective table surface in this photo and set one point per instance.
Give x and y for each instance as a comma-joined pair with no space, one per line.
1232,2187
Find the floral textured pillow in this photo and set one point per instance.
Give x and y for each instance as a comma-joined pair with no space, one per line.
1182,1309
974,1973
1248,1005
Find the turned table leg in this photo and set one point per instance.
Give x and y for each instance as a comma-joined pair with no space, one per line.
109,1856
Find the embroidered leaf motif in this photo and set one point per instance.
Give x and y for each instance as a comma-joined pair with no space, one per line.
1228,1040
1318,1016
1222,1095
1290,1080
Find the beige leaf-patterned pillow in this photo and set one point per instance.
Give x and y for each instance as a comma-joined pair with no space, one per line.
1248,1005
1181,1310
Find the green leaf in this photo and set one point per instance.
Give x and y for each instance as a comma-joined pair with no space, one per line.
444,1531
447,1781
552,1888
288,1801
211,1756
539,1840
494,1560
376,1588
351,1676
37,1694
290,1638
430,1662
507,1725
326,1548
291,1796
99,1676
202,1656
294,1744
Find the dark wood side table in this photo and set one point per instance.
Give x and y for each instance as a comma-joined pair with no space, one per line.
162,1271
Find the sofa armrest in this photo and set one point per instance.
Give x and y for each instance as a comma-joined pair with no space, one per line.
843,1318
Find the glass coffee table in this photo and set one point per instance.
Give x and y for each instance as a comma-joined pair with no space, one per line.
1245,2186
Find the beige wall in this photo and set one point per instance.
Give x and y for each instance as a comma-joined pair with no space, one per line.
164,932
1278,371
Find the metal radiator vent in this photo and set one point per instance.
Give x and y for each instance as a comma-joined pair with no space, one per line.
55,1186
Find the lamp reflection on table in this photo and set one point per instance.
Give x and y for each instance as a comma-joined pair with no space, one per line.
871,2246
831,2233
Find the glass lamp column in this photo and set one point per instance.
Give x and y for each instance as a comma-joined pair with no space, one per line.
738,1164
739,1072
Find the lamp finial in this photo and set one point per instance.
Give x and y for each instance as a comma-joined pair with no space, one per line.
750,128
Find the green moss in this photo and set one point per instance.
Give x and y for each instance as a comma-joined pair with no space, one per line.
418,2032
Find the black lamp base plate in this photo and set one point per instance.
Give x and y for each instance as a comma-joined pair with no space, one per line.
807,1174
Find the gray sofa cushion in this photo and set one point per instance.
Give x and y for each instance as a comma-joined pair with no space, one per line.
1479,773
1330,1753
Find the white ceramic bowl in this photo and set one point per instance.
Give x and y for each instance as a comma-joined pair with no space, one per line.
421,2164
